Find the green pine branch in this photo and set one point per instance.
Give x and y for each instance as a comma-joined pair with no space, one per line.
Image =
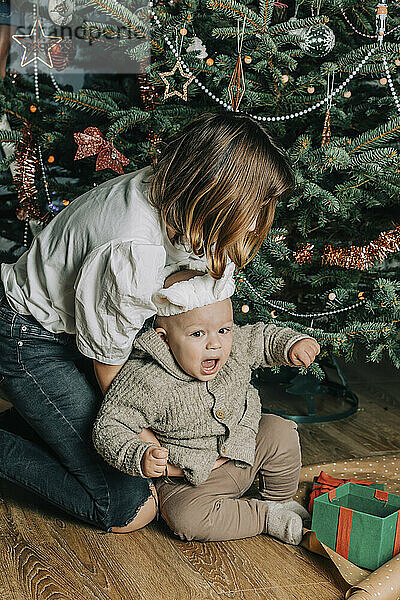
10,136
87,100
129,119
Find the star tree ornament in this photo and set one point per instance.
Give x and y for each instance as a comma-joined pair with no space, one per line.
317,40
168,93
92,142
37,45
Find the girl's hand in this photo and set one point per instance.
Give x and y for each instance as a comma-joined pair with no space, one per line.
154,461
303,353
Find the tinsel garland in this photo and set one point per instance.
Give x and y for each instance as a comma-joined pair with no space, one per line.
354,257
27,163
304,254
363,257
148,97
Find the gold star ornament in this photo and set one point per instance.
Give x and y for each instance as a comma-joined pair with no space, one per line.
37,45
168,93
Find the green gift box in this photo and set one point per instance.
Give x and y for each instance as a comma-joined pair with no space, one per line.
360,523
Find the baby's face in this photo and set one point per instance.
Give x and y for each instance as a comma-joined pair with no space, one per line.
200,339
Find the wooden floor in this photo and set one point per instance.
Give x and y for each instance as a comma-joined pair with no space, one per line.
47,556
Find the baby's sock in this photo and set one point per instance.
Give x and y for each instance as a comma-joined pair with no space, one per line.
283,523
299,510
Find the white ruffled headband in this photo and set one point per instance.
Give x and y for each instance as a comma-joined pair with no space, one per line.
194,293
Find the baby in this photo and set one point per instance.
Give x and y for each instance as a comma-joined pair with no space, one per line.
189,382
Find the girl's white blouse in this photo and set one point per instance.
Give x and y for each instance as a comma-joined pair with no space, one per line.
93,269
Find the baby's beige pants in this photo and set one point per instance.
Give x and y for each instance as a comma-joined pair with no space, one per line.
214,510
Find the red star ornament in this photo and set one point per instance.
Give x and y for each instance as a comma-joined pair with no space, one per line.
92,142
183,93
37,45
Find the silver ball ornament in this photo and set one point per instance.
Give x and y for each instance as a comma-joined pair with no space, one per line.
317,40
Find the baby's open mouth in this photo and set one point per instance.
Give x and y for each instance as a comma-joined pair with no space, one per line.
210,366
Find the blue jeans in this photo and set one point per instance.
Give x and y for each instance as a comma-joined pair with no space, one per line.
4,13
50,451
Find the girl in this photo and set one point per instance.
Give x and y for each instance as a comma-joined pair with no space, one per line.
83,290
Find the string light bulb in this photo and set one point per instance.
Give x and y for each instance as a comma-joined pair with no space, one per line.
51,159
183,31
245,308
383,81
285,78
247,59
397,62
347,94
210,61
33,108
332,296
311,89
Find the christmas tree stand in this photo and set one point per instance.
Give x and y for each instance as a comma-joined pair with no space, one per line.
309,387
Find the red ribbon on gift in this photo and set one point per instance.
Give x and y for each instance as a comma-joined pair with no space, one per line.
344,531
328,484
92,142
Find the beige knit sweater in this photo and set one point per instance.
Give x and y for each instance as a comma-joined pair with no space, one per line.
197,421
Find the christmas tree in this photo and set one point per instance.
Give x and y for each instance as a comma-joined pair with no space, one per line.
322,76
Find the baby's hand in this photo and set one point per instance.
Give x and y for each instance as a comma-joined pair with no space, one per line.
303,353
220,461
154,461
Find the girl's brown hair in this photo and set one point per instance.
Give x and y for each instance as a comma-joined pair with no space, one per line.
213,180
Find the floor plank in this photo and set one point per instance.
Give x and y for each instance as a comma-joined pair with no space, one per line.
252,568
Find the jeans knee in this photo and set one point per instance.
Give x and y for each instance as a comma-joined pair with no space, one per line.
127,496
144,516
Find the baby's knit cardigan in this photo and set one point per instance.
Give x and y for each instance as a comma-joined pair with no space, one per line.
196,421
